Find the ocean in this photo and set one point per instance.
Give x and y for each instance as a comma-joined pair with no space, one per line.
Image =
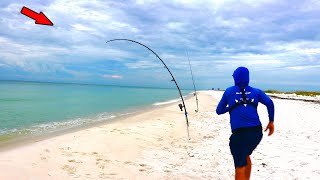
33,108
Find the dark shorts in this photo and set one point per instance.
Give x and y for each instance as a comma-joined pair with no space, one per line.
242,142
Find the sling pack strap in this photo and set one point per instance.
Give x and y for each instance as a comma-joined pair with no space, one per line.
243,101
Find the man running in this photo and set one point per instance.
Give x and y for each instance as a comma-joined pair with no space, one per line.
241,102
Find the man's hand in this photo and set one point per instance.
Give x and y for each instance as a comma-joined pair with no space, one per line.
270,127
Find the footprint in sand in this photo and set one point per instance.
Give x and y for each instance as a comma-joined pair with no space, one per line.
208,137
144,167
74,161
94,153
69,169
45,155
165,148
128,162
66,151
114,130
101,163
103,160
106,176
101,166
304,163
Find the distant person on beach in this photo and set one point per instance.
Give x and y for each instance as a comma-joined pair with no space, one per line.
241,101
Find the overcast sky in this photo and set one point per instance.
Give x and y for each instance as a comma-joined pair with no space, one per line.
279,41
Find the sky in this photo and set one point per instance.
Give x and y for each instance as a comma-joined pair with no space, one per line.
277,40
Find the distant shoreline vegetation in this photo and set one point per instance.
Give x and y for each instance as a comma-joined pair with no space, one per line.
302,93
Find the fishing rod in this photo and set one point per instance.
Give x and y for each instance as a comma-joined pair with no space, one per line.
194,86
181,106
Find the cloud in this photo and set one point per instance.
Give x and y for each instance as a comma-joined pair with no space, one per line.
303,67
144,64
81,27
107,76
13,52
176,26
268,36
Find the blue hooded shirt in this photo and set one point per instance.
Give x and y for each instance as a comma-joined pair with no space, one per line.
244,115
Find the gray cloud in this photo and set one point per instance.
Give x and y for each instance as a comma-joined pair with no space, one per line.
268,36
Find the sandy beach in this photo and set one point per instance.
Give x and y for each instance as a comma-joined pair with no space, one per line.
154,145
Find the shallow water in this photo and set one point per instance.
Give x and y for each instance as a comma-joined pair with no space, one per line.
36,108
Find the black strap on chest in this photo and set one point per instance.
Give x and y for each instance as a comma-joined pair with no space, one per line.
243,100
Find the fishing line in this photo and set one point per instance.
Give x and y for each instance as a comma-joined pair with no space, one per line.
181,106
194,86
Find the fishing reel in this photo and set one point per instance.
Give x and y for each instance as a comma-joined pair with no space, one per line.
180,106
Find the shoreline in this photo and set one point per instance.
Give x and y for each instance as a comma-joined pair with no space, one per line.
279,96
154,145
23,140
102,151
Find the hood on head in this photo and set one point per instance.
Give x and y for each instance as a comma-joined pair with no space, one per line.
241,77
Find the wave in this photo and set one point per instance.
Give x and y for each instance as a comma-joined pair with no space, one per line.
170,101
166,102
58,125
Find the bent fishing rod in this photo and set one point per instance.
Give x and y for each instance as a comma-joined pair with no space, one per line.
181,106
194,86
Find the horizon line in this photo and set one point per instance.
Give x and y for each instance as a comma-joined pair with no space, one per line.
93,84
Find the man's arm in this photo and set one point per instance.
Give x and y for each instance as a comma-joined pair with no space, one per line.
270,127
222,106
265,99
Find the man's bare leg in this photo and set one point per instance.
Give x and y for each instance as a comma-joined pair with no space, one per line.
243,173
240,173
248,168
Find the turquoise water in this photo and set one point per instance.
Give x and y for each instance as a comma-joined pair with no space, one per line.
35,108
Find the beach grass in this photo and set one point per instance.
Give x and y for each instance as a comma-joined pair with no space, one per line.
302,93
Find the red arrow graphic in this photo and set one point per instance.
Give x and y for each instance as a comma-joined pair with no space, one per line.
40,18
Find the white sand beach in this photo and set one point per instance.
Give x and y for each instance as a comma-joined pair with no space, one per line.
154,145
